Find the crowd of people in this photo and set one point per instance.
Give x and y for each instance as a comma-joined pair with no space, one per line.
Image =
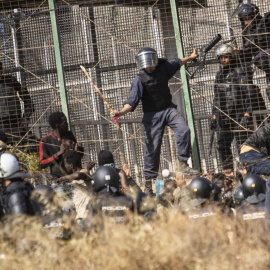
104,189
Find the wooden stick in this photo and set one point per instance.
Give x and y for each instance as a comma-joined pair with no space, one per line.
100,93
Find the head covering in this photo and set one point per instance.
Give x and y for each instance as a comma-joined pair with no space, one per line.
105,157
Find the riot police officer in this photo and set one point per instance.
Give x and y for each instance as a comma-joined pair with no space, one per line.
14,192
55,212
235,97
256,38
253,207
203,200
151,87
109,202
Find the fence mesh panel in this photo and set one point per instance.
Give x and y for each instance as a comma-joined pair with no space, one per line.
104,37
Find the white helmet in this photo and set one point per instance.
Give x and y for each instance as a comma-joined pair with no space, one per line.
224,49
9,167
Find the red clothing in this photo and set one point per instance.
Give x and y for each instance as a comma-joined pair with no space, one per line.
48,147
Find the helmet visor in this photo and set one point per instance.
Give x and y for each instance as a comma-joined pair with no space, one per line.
147,59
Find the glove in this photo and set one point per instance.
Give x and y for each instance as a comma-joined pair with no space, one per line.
245,121
213,124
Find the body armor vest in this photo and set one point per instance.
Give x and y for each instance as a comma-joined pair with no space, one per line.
115,207
229,94
249,212
15,199
204,212
156,95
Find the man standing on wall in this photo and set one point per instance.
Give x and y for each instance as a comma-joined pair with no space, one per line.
151,87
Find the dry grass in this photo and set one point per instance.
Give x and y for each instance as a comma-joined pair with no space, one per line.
169,242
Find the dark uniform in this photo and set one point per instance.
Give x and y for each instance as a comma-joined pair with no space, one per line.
113,205
235,95
249,212
253,207
159,112
15,198
256,39
54,212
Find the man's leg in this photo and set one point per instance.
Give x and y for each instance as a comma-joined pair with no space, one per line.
178,124
255,162
224,141
154,130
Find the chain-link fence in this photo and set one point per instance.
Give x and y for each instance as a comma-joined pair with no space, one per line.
44,43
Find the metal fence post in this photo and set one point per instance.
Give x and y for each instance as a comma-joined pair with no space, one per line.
58,58
185,85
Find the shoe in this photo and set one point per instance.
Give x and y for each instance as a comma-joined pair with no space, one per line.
184,168
148,189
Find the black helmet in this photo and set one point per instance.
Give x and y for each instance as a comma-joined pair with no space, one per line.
238,195
247,10
146,57
200,189
105,176
253,188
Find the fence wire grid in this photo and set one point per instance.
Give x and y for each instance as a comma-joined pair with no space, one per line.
45,43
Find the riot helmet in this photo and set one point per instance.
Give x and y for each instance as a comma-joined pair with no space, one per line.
224,49
10,168
105,177
253,188
146,57
238,195
200,189
247,9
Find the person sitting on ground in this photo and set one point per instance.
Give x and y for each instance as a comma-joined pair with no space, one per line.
56,143
80,178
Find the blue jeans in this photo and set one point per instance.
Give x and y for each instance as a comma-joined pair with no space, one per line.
255,162
154,126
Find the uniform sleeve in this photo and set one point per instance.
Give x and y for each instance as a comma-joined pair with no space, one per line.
44,158
136,92
173,66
